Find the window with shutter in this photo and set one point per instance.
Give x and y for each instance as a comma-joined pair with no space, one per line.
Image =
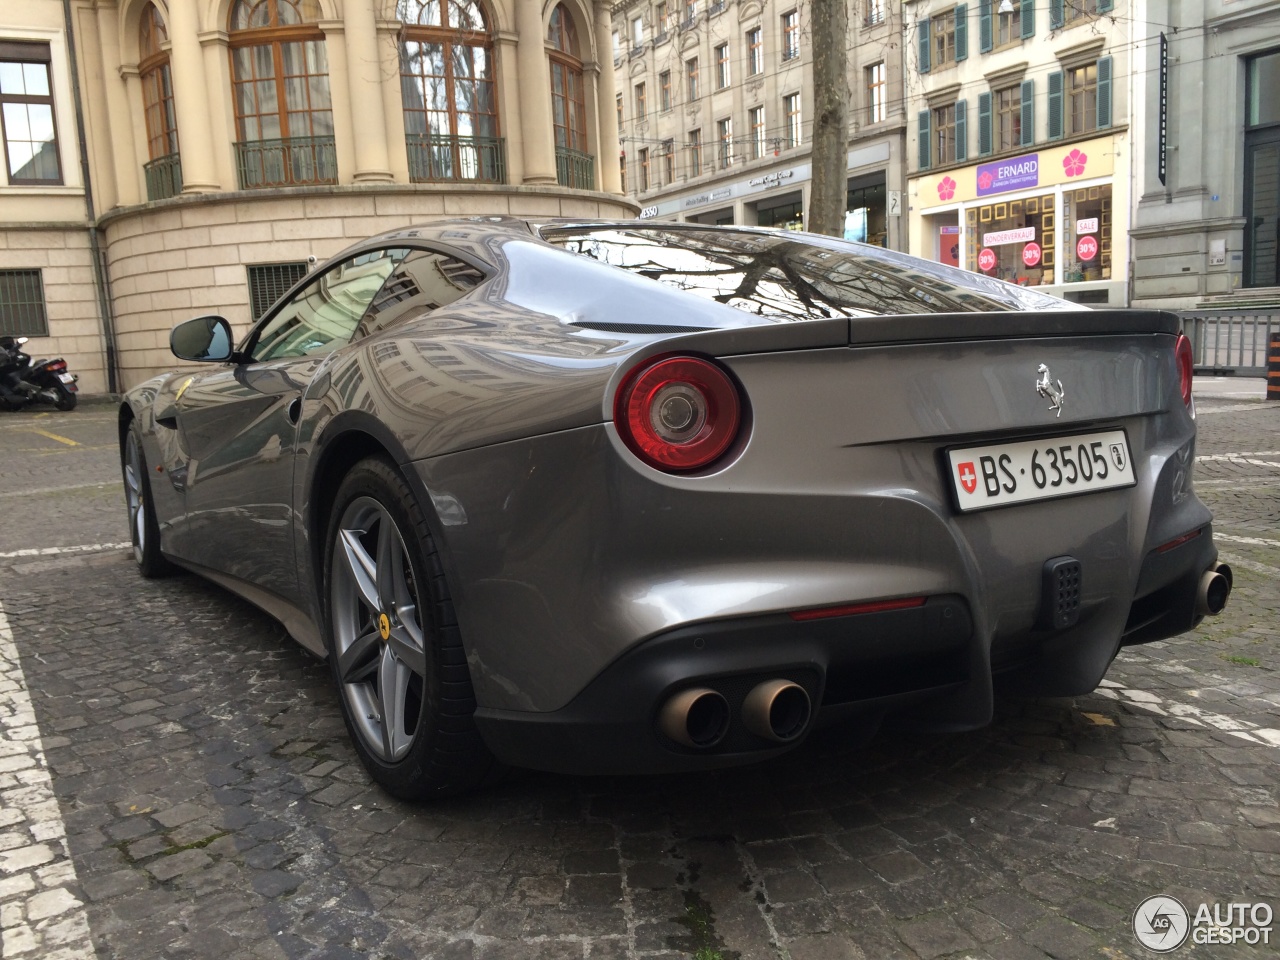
924,134
1055,106
1104,92
922,27
1028,112
984,26
962,32
1028,18
962,131
1056,14
984,124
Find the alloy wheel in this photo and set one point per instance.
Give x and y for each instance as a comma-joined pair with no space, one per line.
377,629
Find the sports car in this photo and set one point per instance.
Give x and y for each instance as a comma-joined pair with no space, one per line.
638,497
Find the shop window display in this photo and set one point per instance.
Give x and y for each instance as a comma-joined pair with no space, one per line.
1013,240
864,219
1088,213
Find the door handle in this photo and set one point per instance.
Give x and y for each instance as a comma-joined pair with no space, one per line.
295,410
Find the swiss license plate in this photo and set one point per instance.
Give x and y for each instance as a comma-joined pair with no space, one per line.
1008,473
66,378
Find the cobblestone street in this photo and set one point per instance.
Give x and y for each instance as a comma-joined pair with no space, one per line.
176,781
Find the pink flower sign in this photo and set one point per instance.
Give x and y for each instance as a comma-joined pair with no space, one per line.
946,189
1073,163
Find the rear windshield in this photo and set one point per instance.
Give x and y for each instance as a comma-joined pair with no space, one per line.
786,276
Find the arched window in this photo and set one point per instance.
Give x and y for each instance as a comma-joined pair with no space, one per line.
447,84
280,85
164,172
574,166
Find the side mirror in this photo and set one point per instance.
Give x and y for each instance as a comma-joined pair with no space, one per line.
206,339
21,341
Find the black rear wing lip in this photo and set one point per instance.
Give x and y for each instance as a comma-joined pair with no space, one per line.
944,327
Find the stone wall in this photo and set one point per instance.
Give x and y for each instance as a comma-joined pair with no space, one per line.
187,256
71,301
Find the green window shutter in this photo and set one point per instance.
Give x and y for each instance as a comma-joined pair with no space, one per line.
1028,112
1104,92
923,29
985,39
1057,14
1055,106
925,134
984,123
1028,19
1105,6
962,131
962,32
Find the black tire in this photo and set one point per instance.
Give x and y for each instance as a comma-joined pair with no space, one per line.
429,746
144,529
66,399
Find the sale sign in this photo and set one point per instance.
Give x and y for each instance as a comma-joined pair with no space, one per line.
1031,254
986,259
1086,248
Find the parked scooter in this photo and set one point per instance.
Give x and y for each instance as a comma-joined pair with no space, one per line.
23,383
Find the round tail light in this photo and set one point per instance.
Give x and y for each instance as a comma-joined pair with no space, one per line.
1185,366
678,413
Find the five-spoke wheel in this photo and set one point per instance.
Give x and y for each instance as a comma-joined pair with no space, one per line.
144,529
395,651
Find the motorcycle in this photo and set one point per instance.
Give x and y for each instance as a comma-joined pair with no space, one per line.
23,383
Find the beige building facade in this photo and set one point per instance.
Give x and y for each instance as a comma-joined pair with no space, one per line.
1019,141
229,144
715,108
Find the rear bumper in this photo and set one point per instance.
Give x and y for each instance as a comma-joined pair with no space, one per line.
864,662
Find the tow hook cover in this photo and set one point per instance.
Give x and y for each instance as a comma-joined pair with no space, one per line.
1060,593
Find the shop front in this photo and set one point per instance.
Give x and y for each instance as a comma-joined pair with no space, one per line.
1054,218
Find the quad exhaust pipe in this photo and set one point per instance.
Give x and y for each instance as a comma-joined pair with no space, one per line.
1214,590
777,710
697,717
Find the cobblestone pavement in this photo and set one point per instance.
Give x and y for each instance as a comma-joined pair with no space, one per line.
213,807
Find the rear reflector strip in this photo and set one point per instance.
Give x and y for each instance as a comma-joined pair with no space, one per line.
876,606
1165,548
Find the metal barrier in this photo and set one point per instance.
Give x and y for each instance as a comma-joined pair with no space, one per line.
1231,341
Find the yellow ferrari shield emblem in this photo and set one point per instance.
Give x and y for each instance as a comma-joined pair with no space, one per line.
384,626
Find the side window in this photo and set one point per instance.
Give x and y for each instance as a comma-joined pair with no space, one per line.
424,282
325,313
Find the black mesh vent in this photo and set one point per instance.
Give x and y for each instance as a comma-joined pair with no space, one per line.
22,312
1061,588
268,283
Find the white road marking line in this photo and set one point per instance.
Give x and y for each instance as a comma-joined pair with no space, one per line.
1252,461
1188,713
43,918
54,551
1256,405
1256,541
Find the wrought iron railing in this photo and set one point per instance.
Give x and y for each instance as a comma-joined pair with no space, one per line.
575,169
435,159
286,163
716,8
164,177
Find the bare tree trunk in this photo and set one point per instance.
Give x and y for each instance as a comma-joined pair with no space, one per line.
830,31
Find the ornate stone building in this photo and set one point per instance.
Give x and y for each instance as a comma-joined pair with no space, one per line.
714,101
171,157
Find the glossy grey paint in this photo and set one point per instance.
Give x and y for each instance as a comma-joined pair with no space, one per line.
563,550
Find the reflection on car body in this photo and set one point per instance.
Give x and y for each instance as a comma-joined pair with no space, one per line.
641,497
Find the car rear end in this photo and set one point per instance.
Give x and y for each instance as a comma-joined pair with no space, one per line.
788,524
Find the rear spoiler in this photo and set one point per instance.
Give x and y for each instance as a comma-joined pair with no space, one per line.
919,328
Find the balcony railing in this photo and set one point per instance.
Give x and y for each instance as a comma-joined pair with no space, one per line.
286,163
716,8
164,177
441,159
575,169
